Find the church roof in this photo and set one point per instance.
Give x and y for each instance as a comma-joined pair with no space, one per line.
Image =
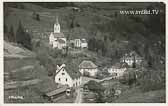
58,35
87,64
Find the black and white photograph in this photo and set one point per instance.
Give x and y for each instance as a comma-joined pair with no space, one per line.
84,52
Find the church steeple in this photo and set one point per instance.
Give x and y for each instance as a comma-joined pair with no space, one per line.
56,26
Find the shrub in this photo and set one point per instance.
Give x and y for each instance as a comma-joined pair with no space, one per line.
98,89
94,86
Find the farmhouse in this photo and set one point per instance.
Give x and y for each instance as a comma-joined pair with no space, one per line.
57,39
66,76
88,68
118,69
131,58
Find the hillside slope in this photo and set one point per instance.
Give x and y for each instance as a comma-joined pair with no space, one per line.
132,96
14,51
23,75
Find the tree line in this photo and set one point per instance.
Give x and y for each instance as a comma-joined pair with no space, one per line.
20,37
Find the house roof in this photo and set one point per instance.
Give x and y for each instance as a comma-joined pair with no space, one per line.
120,65
75,74
83,41
87,64
72,71
130,56
58,35
116,65
57,91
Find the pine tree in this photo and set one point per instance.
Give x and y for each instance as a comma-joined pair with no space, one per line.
22,37
37,17
20,33
11,34
5,28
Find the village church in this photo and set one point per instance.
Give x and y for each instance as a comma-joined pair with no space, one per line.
57,39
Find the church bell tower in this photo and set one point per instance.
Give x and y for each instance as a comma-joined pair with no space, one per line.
56,26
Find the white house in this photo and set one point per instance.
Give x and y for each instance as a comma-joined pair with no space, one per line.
130,58
77,43
84,43
66,76
88,68
118,69
57,38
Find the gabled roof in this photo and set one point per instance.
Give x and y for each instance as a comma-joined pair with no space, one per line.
74,74
116,65
120,65
72,71
87,64
58,35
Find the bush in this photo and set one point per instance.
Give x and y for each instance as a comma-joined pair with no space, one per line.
98,89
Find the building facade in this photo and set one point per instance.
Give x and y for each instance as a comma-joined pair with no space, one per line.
88,68
66,77
79,43
84,43
117,70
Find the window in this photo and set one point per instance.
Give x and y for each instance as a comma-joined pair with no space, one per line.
63,73
59,79
66,79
